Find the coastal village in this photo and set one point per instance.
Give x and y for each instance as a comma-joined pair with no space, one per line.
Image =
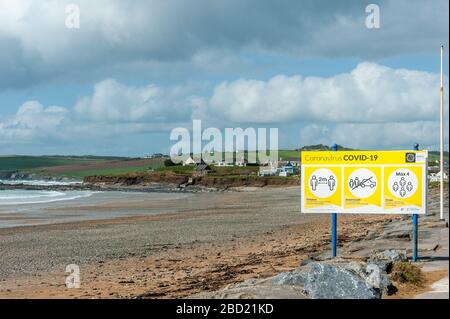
78,168
286,166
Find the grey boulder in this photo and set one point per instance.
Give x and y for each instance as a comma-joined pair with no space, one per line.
374,275
290,278
329,281
390,255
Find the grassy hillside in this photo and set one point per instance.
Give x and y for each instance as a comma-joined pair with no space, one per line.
76,167
101,171
287,154
284,154
433,158
81,166
12,163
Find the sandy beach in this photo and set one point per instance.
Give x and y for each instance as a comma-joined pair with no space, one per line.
165,246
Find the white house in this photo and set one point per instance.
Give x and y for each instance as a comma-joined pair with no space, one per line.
223,163
241,163
268,171
436,177
188,161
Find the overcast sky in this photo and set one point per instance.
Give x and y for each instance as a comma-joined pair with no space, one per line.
134,70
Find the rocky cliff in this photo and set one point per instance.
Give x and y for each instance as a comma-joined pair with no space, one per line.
143,179
15,175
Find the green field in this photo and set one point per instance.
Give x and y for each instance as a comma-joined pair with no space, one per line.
289,154
283,154
103,172
42,165
12,163
178,169
434,157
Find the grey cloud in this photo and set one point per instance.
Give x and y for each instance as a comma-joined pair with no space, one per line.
32,122
380,105
371,93
116,102
38,47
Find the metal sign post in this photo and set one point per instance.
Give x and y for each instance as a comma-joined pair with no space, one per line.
415,223
441,157
334,223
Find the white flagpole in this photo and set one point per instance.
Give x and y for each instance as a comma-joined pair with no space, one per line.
442,136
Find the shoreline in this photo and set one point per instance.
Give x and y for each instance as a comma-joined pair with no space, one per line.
145,188
157,187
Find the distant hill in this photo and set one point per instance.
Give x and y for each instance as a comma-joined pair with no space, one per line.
75,166
437,153
18,162
321,147
434,158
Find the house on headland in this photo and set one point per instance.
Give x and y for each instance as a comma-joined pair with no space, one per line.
188,161
202,169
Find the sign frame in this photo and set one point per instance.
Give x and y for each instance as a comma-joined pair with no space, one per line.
404,191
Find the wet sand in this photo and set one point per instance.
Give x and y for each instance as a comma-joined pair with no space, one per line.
92,205
200,243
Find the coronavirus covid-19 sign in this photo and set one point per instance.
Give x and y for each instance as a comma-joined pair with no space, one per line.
364,182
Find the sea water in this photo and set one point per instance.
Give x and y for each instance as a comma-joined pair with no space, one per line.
18,196
20,207
35,182
23,197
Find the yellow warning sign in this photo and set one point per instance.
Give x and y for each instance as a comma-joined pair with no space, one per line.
403,188
364,182
362,188
324,187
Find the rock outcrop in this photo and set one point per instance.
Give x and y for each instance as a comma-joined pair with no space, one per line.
181,180
330,281
15,175
327,279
